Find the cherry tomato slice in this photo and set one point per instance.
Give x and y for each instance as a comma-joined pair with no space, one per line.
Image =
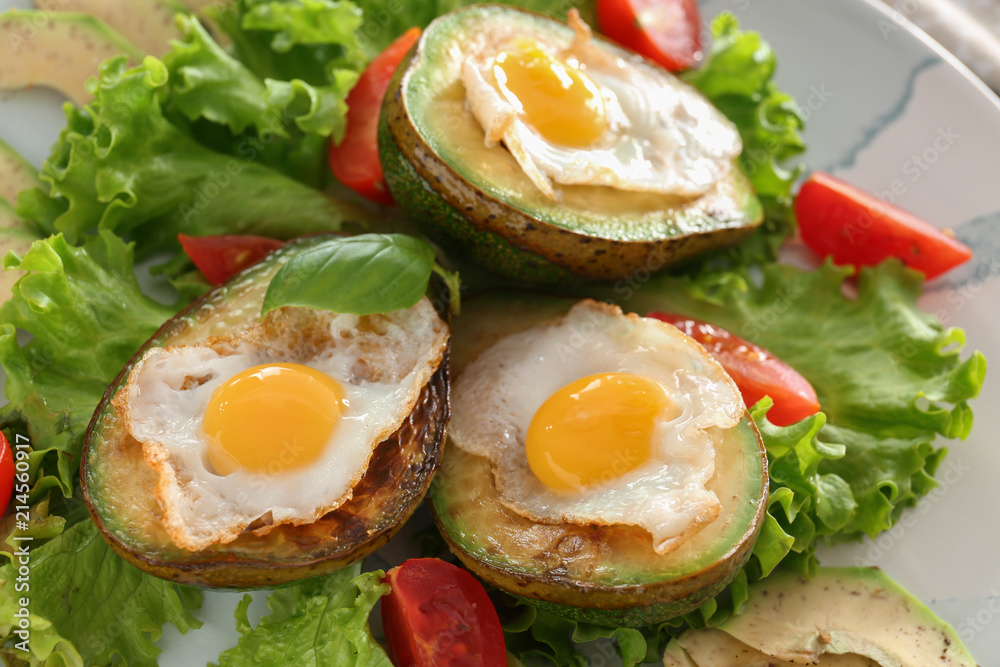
354,161
757,372
221,257
438,615
854,227
6,473
668,32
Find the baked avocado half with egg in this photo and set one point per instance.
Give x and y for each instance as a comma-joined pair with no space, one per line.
612,554
547,154
236,450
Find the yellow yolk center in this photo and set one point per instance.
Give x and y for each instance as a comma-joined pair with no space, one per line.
595,429
271,418
561,102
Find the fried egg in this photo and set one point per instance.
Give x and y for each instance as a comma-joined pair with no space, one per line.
276,423
576,113
599,418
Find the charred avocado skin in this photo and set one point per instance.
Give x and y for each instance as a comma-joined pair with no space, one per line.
606,575
477,201
117,482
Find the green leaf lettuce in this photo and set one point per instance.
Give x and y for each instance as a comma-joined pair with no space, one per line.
87,316
321,621
88,606
121,165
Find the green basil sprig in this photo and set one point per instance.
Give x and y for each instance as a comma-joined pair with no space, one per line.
363,275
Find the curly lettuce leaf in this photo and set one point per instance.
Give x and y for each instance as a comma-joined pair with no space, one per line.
207,82
121,165
284,40
738,77
88,606
87,317
307,22
320,621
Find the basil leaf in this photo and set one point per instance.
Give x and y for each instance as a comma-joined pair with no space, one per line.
365,274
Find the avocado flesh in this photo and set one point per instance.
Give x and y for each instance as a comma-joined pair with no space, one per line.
58,50
479,201
714,648
16,174
117,482
608,575
842,616
149,24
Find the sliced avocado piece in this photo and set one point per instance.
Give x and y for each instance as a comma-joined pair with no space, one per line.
58,50
15,235
714,648
842,616
117,482
148,24
478,201
607,575
16,174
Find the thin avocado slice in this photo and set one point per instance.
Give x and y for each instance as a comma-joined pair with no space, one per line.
607,575
713,648
478,200
117,482
16,174
60,50
149,24
842,616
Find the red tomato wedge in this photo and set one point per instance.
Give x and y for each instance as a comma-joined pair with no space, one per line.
757,372
668,32
6,473
221,257
438,615
837,219
354,161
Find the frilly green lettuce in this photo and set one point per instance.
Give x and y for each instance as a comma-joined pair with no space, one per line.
321,621
88,606
87,317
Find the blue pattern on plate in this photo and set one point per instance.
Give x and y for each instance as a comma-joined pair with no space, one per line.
982,234
885,120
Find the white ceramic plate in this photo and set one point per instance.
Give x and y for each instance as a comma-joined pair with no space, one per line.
892,112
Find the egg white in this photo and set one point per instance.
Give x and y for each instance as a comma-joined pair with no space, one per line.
381,362
498,393
664,136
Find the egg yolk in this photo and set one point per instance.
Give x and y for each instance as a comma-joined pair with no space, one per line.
561,102
271,418
595,429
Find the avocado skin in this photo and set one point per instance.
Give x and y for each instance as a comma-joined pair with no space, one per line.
562,567
398,477
514,243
